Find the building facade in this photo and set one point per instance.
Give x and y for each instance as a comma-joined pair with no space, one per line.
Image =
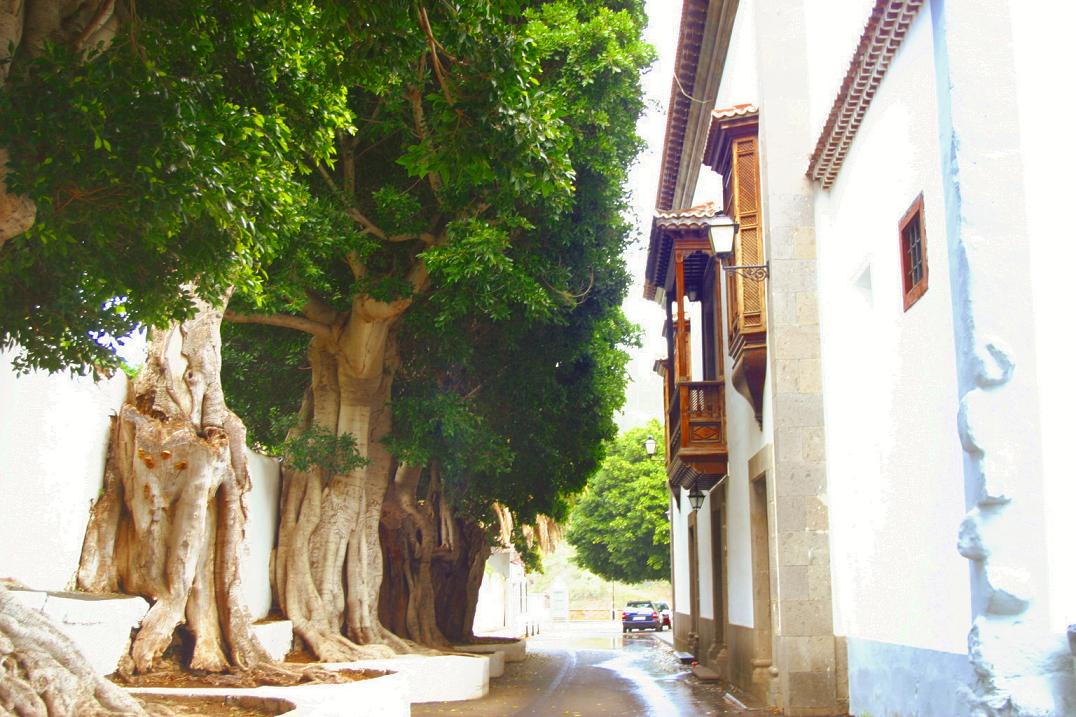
865,382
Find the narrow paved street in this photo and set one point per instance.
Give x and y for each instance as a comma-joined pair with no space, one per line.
592,670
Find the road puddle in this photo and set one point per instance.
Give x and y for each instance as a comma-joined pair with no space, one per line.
656,699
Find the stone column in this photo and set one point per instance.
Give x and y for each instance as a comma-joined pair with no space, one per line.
805,668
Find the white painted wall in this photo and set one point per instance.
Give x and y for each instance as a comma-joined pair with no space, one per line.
264,507
1048,150
745,439
491,612
693,311
681,564
896,484
53,442
704,528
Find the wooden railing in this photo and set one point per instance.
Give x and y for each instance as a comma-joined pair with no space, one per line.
697,416
674,424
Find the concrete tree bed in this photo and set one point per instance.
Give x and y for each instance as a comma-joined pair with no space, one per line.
496,661
100,625
433,678
232,704
382,696
275,636
514,649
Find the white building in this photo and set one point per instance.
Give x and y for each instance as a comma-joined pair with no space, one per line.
887,403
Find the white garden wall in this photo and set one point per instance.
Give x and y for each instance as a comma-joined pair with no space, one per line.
264,503
491,613
53,442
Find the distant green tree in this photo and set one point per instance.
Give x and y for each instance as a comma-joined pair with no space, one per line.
618,527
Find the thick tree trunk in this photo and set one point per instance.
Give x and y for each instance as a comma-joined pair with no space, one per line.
169,525
328,565
42,673
457,577
410,538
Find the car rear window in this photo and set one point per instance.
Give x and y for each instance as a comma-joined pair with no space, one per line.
639,603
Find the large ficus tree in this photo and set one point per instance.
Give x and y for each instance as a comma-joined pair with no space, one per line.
150,162
484,185
331,168
513,413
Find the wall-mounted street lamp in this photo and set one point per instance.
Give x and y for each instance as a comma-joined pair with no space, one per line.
650,445
722,240
754,272
722,234
696,497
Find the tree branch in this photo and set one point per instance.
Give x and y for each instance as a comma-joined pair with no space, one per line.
358,269
347,159
438,70
418,276
287,321
374,310
367,224
328,178
102,16
319,310
415,97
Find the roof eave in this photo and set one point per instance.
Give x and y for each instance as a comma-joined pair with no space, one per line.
688,123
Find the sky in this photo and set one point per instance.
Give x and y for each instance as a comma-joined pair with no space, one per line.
644,390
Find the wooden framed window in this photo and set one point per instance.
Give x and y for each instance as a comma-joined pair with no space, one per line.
913,253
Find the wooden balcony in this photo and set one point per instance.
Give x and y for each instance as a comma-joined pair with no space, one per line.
698,444
732,150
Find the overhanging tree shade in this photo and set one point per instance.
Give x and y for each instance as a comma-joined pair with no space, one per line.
154,158
618,527
462,165
171,156
470,316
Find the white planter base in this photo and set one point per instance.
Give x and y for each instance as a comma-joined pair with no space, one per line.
99,625
515,651
436,678
384,696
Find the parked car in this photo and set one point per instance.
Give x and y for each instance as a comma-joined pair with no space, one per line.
640,615
666,614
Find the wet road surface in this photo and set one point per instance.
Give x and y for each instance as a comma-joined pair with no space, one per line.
592,670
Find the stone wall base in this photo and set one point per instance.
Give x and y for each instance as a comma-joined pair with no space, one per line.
888,679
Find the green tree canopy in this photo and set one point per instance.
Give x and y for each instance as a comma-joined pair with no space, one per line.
512,351
172,157
618,527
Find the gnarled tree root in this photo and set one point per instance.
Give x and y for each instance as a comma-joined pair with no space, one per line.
43,674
